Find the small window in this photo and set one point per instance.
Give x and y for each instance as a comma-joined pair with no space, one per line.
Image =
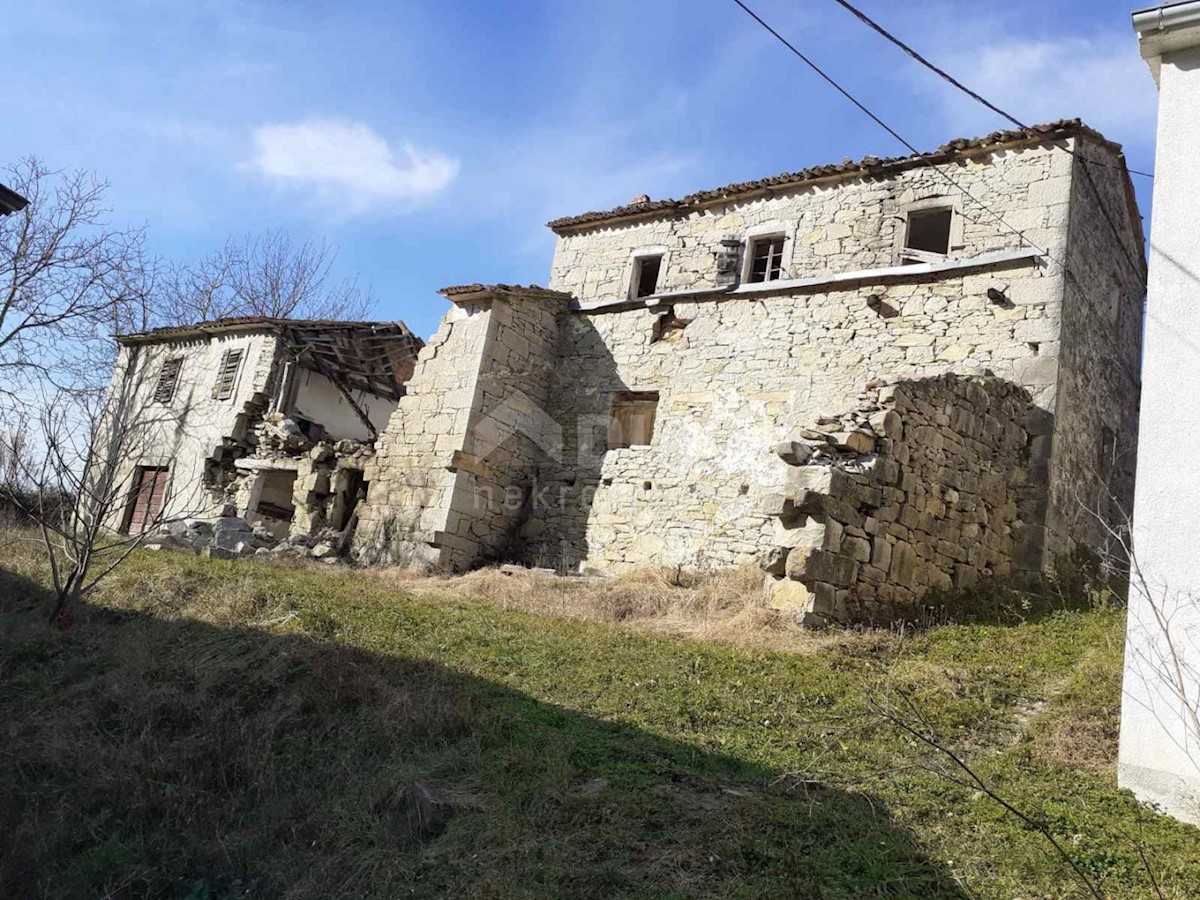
227,374
168,380
645,276
766,259
927,236
632,422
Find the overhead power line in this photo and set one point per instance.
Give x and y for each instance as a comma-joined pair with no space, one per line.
890,130
946,76
1085,163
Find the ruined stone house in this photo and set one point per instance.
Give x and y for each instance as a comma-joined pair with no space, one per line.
872,378
271,419
944,349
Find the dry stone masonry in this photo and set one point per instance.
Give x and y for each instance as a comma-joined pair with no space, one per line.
635,412
626,416
926,483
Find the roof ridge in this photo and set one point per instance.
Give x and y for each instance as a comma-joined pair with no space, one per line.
868,165
232,322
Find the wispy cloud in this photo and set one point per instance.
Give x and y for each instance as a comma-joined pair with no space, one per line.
1097,76
346,159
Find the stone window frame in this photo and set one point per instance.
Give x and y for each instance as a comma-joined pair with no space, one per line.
631,267
930,204
776,228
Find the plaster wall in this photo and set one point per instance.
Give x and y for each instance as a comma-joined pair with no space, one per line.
1160,735
319,400
183,433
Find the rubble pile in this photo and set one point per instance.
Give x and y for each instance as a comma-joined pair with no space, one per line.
232,537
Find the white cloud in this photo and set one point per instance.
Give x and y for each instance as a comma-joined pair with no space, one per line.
349,161
1098,77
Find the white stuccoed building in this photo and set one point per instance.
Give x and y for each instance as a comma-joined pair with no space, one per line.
1160,717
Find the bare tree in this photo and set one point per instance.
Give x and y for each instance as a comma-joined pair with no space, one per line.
77,490
68,280
265,275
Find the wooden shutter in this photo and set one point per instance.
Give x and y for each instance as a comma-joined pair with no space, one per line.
146,504
227,374
168,380
632,422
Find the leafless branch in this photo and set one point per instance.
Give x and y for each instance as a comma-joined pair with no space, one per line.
264,275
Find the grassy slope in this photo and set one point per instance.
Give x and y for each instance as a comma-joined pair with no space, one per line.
215,730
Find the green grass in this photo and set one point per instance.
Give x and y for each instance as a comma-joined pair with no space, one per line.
218,730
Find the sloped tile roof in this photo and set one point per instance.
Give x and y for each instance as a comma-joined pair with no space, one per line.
868,166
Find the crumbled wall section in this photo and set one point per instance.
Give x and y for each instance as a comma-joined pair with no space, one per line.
510,433
926,484
744,370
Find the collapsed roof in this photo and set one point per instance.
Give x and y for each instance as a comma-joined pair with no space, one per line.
376,357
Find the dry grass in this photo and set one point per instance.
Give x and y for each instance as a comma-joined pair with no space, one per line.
212,729
722,606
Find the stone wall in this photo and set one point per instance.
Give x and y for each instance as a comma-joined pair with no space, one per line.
832,227
925,484
734,382
1096,410
451,480
734,372
410,482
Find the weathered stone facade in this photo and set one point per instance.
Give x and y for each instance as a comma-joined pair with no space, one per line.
1033,287
927,483
452,477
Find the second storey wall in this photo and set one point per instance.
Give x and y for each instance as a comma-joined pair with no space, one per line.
829,228
182,434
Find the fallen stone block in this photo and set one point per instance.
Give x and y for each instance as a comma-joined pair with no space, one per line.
416,813
787,595
794,453
855,441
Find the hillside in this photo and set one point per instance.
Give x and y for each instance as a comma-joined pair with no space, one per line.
219,730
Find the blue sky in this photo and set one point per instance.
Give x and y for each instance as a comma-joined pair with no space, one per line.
431,141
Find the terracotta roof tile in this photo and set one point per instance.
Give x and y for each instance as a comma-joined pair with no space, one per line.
868,166
244,323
